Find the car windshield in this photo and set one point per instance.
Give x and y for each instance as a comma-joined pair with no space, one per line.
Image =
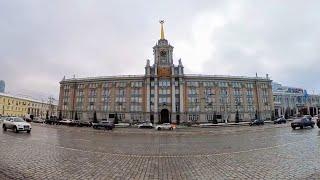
18,120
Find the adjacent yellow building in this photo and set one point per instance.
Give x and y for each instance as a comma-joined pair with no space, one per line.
11,105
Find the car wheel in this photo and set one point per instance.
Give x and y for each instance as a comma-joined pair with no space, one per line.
29,131
171,128
15,129
159,129
4,127
312,126
293,128
301,127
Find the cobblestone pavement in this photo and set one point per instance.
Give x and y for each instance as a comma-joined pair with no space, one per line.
60,152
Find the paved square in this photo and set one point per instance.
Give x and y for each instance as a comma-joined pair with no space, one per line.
60,152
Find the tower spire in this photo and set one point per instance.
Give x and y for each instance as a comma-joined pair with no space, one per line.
162,32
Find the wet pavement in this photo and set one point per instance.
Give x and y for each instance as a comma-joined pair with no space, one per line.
61,152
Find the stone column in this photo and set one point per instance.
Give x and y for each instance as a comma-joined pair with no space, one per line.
181,90
148,95
156,119
173,101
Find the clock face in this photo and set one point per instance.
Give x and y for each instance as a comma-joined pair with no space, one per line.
163,54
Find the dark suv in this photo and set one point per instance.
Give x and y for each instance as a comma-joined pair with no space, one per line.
301,123
103,124
280,120
256,122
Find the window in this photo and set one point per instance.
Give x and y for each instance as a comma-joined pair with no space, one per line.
208,84
193,99
135,108
93,85
80,86
210,117
249,100
237,92
92,92
107,84
164,83
223,91
236,85
249,85
193,91
193,117
194,108
222,84
106,107
121,84
192,84
106,92
164,100
249,92
92,99
136,84
136,99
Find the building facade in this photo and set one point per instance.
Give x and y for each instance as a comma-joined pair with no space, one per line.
291,101
11,105
2,86
166,94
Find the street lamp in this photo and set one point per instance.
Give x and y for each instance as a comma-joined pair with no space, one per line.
237,113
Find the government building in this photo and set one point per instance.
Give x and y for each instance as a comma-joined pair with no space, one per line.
165,94
13,105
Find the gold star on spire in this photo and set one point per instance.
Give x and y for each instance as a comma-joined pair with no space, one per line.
162,32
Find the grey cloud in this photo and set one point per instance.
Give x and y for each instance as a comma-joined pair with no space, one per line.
41,41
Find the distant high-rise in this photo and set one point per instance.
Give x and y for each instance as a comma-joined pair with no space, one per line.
2,86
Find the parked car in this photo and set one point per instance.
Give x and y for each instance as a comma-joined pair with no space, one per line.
256,122
308,117
65,122
164,126
280,120
146,125
16,124
318,122
75,122
38,120
2,118
303,122
85,123
52,120
103,124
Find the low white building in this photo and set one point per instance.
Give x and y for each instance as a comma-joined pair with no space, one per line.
291,101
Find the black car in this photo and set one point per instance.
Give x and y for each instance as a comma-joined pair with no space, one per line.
85,123
256,122
103,124
301,123
52,120
280,121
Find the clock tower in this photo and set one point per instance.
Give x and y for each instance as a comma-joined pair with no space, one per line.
162,51
164,84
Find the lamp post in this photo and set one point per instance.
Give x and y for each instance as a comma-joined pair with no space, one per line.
237,113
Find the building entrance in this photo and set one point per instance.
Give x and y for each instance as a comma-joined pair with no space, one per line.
164,116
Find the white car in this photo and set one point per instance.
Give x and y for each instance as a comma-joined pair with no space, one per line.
145,125
65,121
16,124
166,126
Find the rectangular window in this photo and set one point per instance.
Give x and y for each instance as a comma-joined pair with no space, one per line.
193,117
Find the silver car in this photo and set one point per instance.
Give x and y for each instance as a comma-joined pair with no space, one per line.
16,124
164,126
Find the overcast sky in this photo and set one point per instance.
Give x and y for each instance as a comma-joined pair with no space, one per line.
42,40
